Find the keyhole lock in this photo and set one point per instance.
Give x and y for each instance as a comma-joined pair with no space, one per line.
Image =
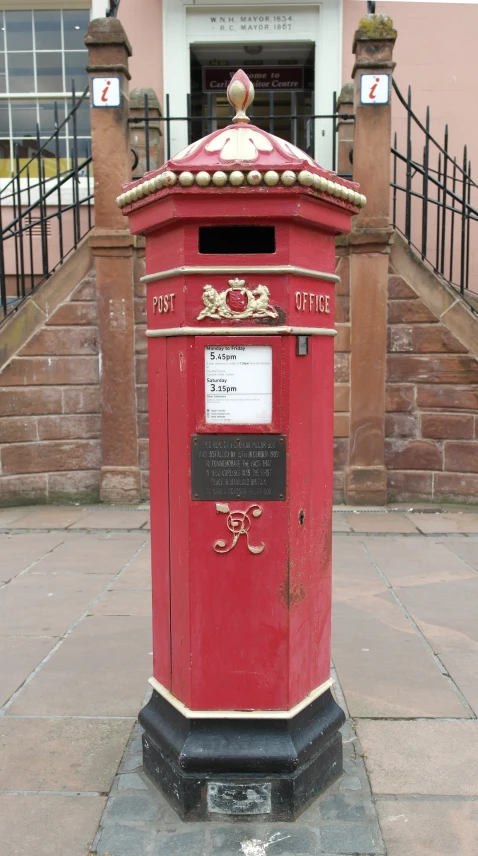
301,517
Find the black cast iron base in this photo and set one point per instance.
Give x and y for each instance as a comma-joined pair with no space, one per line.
269,769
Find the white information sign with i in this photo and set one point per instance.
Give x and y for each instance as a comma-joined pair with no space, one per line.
238,384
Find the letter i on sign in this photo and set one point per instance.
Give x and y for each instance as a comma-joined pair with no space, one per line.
371,94
105,91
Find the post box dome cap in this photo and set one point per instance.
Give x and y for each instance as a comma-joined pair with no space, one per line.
243,156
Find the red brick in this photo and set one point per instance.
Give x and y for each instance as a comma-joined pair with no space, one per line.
461,457
435,338
142,398
404,486
339,487
82,399
143,454
341,453
143,425
81,484
140,310
74,314
145,484
86,289
51,456
342,309
446,368
401,425
341,424
140,340
50,370
69,427
18,429
456,486
342,340
413,455
18,490
141,369
18,401
399,397
54,341
341,397
140,288
399,289
448,397
342,368
400,338
14,429
342,270
409,312
445,426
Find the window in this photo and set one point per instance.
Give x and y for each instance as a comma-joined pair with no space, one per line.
41,52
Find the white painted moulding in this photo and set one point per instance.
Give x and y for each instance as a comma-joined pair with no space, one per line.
241,331
239,714
231,269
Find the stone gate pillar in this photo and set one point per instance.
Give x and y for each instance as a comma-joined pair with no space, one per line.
113,246
369,242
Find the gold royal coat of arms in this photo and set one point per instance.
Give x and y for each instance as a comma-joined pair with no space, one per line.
238,301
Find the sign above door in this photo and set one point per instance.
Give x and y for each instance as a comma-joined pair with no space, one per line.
281,78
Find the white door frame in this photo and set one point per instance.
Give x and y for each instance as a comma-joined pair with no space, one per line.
328,54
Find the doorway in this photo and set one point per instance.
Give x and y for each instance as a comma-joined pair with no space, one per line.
283,77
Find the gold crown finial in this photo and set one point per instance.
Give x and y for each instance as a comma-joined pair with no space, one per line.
240,94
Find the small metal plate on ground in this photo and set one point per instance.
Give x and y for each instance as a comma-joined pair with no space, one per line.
229,798
238,466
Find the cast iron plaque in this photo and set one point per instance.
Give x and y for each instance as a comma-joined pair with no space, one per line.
230,798
238,466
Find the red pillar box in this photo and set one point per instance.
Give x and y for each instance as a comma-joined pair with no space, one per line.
240,258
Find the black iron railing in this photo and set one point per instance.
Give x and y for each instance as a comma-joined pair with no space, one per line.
45,208
302,128
435,200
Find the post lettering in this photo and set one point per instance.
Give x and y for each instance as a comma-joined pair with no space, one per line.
308,302
163,303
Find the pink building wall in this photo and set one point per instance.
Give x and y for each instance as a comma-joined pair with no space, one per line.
434,52
143,23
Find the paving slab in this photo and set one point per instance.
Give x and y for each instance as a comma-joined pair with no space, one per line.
339,522
430,607
138,573
421,757
429,827
124,603
417,561
444,522
49,517
465,548
60,754
386,522
47,604
19,655
103,553
101,669
112,520
383,666
8,516
351,561
19,551
48,825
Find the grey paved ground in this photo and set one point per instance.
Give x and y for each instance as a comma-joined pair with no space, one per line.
75,658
